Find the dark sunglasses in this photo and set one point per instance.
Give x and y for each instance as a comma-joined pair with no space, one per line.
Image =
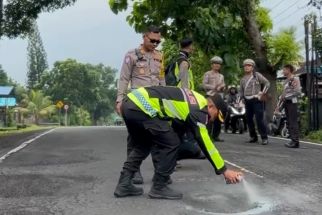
153,41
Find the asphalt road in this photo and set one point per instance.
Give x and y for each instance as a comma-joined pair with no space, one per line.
75,170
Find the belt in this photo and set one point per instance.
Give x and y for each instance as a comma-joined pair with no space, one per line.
251,97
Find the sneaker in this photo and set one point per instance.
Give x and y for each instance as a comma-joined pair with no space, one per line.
264,141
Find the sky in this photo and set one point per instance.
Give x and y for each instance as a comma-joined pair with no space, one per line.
90,33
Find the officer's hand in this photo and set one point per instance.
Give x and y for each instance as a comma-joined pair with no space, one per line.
118,108
232,177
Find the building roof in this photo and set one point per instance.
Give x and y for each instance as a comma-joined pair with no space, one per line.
5,90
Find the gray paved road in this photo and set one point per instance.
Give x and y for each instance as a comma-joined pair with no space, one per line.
75,170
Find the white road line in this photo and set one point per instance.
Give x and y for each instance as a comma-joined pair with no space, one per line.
244,169
23,145
281,138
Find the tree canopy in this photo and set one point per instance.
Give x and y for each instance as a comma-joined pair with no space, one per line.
17,16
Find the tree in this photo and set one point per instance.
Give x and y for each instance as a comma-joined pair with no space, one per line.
37,58
38,105
18,15
86,86
233,29
3,77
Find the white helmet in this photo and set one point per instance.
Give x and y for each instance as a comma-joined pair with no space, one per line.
216,59
249,62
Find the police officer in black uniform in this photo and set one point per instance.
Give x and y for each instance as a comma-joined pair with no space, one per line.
147,112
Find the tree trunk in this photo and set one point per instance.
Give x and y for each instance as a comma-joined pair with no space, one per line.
255,38
1,18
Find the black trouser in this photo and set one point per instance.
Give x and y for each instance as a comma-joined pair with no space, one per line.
214,128
292,117
255,107
149,135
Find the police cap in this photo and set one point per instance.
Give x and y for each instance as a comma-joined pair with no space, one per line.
216,59
249,62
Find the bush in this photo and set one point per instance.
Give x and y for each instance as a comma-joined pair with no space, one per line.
315,136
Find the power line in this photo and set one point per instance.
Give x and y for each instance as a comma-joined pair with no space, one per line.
286,9
290,15
276,5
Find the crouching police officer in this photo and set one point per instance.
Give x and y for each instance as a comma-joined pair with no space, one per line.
291,92
147,112
250,90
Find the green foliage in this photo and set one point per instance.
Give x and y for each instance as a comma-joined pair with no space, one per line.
283,48
18,15
263,19
315,136
39,105
37,58
80,116
3,77
91,87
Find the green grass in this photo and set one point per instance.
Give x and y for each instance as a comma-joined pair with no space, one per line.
315,136
29,128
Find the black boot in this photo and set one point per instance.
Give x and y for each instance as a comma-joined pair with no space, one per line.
125,187
253,140
137,178
160,189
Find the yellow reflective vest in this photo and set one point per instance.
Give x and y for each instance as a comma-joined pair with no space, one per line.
181,104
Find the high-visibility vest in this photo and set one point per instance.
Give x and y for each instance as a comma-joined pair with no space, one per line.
191,84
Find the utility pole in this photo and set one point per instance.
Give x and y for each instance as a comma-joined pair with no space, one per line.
308,75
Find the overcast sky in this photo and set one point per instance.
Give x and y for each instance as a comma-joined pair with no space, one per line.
90,33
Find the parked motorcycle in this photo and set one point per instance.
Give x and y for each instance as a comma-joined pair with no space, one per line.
237,117
278,125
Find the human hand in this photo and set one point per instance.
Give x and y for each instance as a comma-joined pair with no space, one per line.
118,108
232,177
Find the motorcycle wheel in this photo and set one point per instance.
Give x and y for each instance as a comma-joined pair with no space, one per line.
284,132
240,126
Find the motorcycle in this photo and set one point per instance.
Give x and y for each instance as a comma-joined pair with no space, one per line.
278,125
237,117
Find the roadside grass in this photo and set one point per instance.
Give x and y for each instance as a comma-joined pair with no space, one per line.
13,130
315,136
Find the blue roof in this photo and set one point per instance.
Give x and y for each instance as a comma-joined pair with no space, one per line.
5,90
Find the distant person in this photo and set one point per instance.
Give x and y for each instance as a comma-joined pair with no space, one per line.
185,75
251,91
141,67
214,83
148,122
290,95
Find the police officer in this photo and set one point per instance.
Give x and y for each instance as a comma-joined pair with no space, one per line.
141,67
185,75
147,112
214,83
251,91
291,92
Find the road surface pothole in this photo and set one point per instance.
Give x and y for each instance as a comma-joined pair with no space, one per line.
34,185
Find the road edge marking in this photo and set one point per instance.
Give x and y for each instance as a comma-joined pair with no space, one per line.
23,145
243,169
301,141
